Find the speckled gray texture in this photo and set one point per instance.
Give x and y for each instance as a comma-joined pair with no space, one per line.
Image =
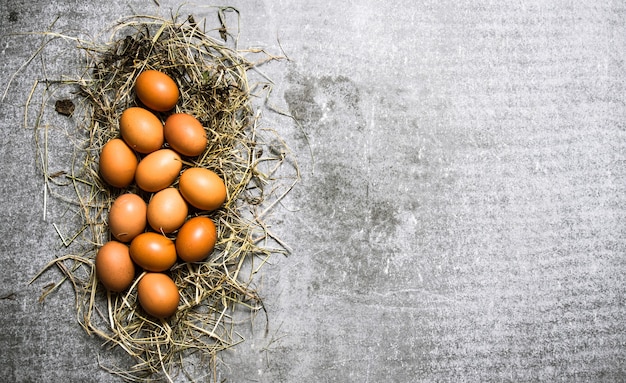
462,210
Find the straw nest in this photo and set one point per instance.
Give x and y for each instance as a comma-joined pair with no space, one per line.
212,76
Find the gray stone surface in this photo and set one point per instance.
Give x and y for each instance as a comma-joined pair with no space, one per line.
461,215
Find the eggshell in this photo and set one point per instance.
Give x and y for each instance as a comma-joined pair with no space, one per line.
196,239
127,217
185,134
156,90
202,188
153,252
158,170
141,129
117,164
158,295
167,210
114,267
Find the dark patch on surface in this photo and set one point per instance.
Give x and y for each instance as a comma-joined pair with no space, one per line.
301,100
338,190
384,218
64,107
317,102
358,224
14,16
341,89
358,232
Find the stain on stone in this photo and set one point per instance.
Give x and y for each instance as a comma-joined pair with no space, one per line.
338,189
343,89
358,224
13,16
315,286
359,233
316,102
301,100
384,219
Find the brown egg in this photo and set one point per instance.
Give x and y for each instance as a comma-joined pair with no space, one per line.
114,267
167,210
117,163
196,239
158,170
185,134
158,295
142,130
127,217
156,90
202,188
153,251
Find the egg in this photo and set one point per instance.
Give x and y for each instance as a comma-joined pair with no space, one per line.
158,295
167,210
117,163
196,239
156,90
114,267
185,134
202,188
141,129
158,170
153,252
127,217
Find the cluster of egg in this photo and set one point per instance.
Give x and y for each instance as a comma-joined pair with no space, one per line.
155,234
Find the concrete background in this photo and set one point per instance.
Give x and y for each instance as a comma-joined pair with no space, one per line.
461,217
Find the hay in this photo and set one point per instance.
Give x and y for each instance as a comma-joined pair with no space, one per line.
213,79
